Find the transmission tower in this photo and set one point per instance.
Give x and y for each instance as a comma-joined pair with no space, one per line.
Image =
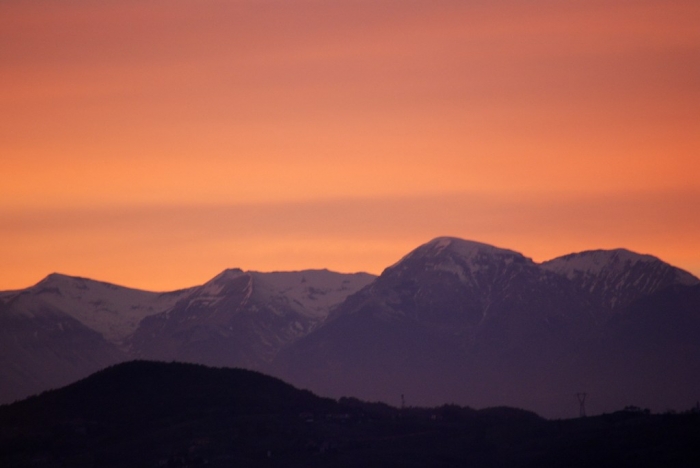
582,404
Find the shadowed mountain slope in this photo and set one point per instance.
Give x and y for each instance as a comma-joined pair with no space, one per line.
462,321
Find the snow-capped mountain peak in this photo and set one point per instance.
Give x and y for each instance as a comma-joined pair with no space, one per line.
226,275
618,276
611,262
452,246
465,248
111,310
593,262
243,318
463,258
218,285
462,246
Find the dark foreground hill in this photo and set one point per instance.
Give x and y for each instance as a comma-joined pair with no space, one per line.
156,414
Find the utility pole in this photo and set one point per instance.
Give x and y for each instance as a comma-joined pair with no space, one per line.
582,403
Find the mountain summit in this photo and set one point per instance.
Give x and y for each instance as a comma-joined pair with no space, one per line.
615,278
442,247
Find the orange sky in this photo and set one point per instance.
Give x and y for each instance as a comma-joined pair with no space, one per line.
155,143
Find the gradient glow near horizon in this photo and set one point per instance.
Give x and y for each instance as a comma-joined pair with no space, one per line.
155,143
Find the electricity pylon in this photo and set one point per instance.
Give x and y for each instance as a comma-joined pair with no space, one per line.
582,403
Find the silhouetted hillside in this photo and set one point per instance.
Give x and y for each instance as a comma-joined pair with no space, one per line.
144,391
148,414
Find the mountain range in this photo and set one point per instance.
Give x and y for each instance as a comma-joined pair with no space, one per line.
454,321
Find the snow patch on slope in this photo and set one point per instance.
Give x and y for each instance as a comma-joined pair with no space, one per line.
314,292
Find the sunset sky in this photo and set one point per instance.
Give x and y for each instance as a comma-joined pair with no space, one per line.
153,143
